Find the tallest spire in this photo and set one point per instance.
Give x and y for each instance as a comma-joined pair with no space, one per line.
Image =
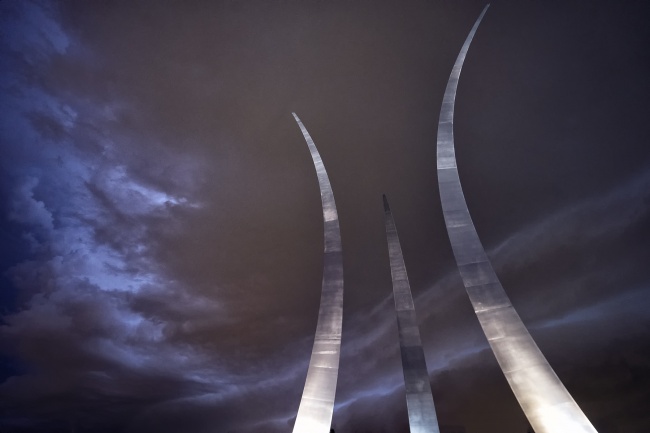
545,401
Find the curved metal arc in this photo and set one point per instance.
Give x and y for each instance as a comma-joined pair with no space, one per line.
419,399
317,403
545,401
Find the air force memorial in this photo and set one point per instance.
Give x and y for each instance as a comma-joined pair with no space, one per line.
543,398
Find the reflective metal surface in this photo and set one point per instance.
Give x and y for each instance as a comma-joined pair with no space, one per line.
547,404
419,400
317,403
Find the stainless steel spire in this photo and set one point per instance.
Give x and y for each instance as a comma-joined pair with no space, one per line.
317,403
419,400
547,404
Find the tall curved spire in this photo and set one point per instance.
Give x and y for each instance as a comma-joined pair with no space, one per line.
419,400
545,401
317,403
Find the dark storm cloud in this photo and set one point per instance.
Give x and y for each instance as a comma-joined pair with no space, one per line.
172,219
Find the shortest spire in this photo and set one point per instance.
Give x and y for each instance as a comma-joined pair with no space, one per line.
419,400
386,207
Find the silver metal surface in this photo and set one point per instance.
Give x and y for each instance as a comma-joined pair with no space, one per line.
419,400
545,401
317,403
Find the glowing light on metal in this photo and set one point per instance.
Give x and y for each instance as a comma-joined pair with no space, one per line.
317,403
545,401
419,400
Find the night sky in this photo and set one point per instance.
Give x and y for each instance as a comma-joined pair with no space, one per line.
161,231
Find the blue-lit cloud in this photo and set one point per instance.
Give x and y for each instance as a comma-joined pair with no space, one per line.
87,221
